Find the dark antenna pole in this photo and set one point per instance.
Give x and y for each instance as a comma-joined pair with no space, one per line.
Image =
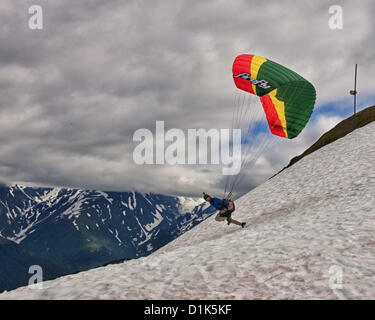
354,92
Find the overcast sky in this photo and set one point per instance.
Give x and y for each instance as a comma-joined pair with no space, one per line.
73,94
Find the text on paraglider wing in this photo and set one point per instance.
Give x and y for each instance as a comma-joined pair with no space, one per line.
260,83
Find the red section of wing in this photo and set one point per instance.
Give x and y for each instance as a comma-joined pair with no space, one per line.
240,65
272,117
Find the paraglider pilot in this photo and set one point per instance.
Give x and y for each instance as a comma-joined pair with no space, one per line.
226,207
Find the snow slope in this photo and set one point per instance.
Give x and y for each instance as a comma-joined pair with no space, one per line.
310,235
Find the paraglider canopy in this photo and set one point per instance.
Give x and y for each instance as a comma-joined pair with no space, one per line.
287,98
287,101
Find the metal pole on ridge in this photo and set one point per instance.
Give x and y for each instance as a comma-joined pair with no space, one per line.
354,92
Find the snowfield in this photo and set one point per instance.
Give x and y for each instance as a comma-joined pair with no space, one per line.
310,235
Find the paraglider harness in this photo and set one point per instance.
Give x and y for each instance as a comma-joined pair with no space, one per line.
229,210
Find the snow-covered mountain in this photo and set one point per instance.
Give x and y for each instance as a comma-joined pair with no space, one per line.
310,235
70,230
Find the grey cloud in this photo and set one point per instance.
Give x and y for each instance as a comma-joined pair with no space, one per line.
73,94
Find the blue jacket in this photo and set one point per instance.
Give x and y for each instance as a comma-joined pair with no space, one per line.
219,203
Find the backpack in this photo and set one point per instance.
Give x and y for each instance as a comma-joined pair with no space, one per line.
231,203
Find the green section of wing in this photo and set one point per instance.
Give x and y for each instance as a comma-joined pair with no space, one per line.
297,93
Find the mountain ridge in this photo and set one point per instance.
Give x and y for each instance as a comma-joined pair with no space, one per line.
78,229
346,126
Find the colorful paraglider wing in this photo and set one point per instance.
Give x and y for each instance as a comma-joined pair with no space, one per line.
287,98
